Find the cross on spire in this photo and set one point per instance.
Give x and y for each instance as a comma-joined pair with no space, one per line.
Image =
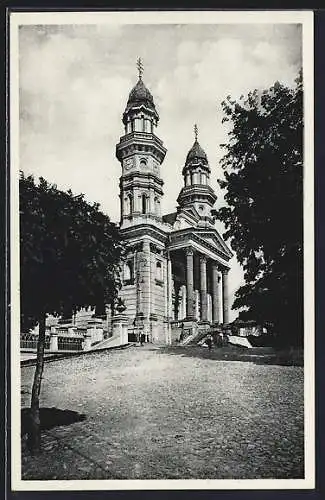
140,67
196,131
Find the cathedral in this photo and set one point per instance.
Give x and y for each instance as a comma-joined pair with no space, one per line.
175,273
175,276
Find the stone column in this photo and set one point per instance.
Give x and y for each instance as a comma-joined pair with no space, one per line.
151,202
170,285
215,294
136,207
203,282
145,278
225,299
166,303
121,206
189,283
183,309
177,301
138,278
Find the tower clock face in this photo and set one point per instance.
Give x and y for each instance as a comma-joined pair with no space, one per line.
128,163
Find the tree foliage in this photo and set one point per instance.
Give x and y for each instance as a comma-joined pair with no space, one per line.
70,256
263,170
70,251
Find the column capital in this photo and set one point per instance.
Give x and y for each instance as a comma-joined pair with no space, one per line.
225,270
203,258
189,251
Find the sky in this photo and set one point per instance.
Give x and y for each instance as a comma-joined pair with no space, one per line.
74,82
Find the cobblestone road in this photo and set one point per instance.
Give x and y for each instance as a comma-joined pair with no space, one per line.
159,414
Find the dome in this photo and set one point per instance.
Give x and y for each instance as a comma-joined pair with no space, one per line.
140,95
196,152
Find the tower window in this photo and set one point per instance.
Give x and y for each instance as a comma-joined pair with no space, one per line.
203,178
143,162
144,203
138,124
128,272
159,273
128,204
157,206
147,126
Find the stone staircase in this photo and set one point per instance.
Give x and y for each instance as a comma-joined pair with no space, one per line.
114,341
195,337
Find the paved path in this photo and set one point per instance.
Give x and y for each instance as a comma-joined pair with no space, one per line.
161,414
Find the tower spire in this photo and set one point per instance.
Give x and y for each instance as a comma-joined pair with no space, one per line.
196,131
140,67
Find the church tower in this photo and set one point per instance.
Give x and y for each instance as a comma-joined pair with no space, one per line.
141,154
197,197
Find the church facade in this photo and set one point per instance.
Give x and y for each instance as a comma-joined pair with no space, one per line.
175,276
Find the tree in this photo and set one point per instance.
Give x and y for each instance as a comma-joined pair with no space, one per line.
70,257
263,185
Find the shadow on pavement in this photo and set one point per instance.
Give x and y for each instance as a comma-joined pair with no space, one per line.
50,418
281,358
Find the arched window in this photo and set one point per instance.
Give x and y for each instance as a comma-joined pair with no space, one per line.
143,162
157,206
144,204
128,274
128,209
203,178
126,205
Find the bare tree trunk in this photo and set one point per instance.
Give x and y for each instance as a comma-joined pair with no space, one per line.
34,436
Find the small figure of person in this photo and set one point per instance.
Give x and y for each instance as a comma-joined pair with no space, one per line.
181,337
142,338
209,342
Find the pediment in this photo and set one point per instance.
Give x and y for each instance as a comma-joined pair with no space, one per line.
213,239
208,239
187,218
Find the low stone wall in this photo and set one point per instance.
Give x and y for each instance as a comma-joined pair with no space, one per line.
67,339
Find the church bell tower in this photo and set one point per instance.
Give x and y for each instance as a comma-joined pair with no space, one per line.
141,154
197,196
